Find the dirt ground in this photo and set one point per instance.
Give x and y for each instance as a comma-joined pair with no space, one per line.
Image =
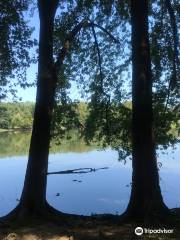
81,231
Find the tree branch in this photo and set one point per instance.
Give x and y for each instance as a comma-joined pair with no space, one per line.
105,31
67,43
71,36
99,56
101,78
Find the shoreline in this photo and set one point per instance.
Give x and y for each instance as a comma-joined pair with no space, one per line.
18,130
100,227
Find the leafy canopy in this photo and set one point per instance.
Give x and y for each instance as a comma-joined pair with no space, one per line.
15,39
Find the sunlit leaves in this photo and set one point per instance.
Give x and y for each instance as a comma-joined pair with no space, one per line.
106,92
15,43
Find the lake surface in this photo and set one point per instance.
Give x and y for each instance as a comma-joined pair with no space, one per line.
101,191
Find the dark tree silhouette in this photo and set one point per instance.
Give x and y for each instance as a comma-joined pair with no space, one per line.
146,198
34,191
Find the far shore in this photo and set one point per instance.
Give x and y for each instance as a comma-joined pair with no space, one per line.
15,130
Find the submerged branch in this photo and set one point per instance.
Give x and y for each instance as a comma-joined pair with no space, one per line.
78,171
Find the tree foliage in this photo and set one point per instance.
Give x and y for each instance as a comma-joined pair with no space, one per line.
101,68
16,115
15,38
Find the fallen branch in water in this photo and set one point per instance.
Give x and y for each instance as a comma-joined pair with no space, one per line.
78,171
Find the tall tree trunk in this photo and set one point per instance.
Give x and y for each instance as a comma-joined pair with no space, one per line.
146,195
33,199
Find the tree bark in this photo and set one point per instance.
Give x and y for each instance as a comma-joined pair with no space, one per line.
146,198
33,199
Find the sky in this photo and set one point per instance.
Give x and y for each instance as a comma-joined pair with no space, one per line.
29,93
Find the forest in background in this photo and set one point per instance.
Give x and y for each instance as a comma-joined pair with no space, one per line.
19,116
16,115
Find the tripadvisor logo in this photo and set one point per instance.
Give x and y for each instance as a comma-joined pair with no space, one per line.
139,231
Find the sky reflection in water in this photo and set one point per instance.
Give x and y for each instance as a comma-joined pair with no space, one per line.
103,191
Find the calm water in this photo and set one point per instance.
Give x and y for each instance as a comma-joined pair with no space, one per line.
102,191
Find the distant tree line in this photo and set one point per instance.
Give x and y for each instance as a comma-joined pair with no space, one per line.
16,115
19,115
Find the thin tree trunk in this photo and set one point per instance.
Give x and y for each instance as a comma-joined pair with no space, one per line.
33,199
146,195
